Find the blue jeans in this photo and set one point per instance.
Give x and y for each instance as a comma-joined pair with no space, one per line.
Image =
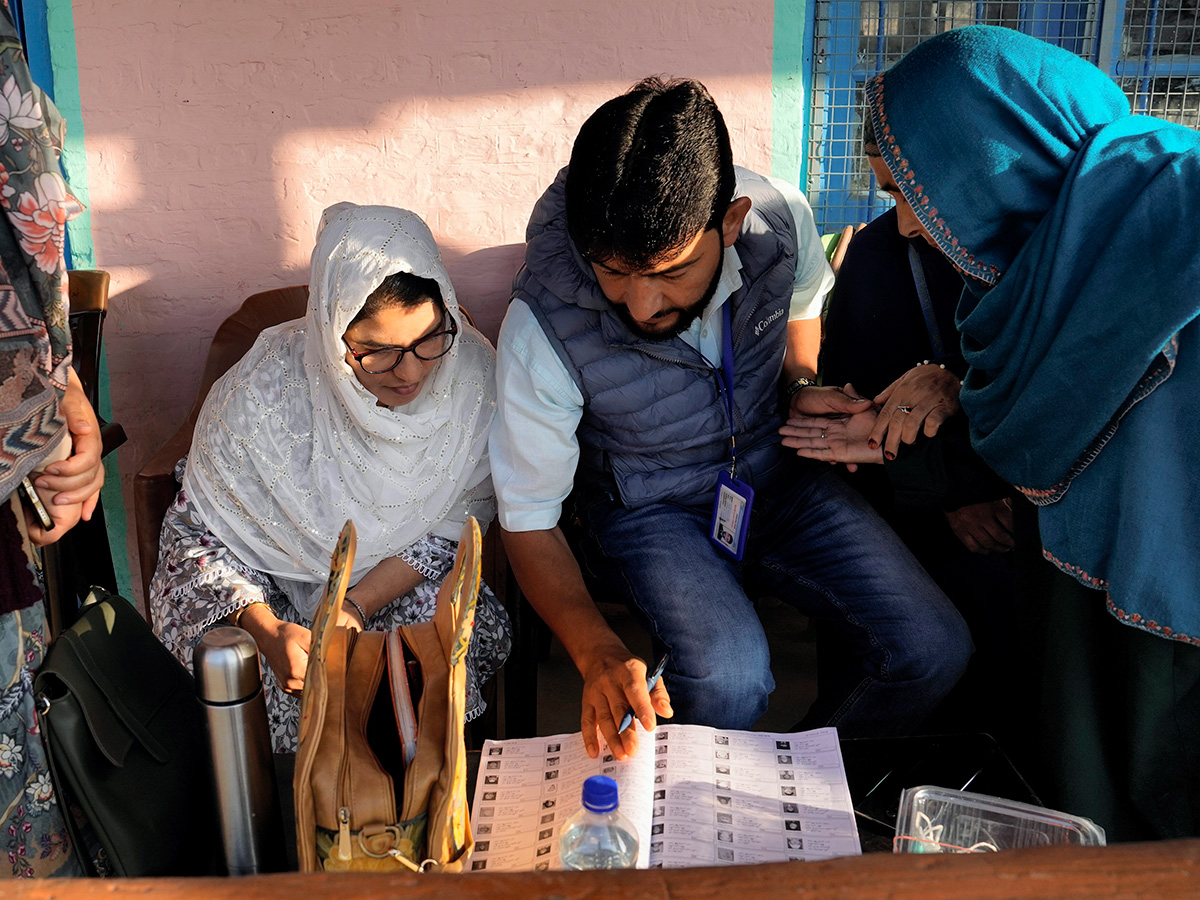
813,543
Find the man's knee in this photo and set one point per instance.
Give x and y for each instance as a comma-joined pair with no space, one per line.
936,652
723,684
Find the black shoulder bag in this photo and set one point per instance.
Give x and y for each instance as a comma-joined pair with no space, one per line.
127,741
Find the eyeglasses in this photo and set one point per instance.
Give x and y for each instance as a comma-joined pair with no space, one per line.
427,349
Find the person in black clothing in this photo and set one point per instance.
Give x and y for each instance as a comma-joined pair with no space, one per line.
950,509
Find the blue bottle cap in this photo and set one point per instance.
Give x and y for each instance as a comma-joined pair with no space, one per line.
600,794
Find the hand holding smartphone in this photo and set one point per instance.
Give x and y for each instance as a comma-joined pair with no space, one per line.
38,501
30,496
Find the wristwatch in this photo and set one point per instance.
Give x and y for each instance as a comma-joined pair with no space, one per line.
794,387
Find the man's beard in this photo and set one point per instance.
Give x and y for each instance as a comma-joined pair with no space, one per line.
687,314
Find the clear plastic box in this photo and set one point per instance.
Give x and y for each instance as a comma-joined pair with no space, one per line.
943,820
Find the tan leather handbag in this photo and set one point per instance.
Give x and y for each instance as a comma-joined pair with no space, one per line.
359,806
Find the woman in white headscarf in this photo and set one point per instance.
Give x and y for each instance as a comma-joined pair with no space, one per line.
373,407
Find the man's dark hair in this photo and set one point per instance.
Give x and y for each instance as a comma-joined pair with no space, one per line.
649,170
401,289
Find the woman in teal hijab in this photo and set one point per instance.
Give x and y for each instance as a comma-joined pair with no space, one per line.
1070,220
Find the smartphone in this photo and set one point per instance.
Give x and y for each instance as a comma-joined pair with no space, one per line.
39,508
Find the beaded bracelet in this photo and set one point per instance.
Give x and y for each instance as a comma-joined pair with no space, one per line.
358,609
929,362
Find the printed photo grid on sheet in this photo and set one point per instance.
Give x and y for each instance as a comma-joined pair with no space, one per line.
697,796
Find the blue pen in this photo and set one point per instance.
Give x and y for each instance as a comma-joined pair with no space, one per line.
651,681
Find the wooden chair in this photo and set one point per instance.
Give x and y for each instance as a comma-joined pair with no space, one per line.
155,487
83,557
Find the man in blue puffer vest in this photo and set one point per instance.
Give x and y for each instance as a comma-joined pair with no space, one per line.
666,318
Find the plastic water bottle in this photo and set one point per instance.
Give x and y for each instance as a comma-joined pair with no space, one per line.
598,836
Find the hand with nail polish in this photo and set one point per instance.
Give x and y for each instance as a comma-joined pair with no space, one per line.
919,400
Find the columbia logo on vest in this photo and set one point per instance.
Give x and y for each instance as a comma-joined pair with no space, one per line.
761,326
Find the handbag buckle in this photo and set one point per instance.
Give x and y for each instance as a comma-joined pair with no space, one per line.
372,833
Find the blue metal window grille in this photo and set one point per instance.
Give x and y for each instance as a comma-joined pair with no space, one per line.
30,19
1155,57
1150,47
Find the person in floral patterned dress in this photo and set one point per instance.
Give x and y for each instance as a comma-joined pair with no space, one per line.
374,407
48,432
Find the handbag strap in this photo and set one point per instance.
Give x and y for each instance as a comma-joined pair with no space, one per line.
314,701
325,619
460,593
440,769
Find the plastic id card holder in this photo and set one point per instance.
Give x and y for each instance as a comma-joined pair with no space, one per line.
731,514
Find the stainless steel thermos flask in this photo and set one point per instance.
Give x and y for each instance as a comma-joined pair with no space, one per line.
229,682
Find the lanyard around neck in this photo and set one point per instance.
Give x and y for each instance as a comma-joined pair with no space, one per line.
931,326
726,373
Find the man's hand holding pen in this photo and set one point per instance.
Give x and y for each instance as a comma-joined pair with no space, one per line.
616,683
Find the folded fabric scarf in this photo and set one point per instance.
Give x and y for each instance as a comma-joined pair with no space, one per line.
1069,216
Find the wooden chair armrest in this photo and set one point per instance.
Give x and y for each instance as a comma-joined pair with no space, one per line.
112,436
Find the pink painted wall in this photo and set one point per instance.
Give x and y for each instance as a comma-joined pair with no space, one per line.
217,131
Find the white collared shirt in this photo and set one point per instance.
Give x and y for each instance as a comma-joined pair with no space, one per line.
533,447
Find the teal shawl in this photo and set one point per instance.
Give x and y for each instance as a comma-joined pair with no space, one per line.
1072,221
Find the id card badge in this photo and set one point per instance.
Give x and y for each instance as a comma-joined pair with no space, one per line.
731,514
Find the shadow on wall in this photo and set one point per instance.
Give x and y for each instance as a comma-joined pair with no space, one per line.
483,282
216,132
